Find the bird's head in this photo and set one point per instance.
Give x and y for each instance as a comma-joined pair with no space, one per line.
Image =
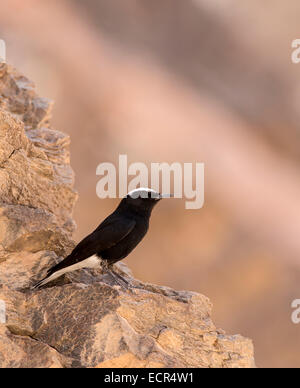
143,200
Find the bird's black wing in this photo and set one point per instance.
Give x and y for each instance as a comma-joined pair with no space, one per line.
112,230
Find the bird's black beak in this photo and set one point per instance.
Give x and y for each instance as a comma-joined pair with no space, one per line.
161,196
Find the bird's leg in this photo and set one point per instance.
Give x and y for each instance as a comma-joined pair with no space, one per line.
116,279
109,269
115,274
128,284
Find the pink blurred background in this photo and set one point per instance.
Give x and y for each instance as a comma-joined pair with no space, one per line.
204,80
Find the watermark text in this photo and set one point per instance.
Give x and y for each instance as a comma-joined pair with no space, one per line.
295,57
187,180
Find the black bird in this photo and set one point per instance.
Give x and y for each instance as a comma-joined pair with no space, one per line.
114,238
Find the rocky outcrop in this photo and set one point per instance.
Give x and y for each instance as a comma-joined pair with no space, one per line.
85,319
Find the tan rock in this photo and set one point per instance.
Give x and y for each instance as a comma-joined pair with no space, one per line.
24,352
84,320
128,360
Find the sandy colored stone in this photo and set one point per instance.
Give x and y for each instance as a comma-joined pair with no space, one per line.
35,167
98,325
128,360
24,352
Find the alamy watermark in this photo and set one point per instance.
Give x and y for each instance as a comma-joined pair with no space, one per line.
187,180
295,57
2,311
2,51
296,313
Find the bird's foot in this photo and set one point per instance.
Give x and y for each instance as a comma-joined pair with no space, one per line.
123,283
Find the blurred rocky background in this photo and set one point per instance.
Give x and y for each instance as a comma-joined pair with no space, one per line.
204,80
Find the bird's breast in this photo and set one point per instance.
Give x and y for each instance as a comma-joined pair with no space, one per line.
126,245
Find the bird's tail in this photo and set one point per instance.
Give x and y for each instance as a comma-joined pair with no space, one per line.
46,280
38,284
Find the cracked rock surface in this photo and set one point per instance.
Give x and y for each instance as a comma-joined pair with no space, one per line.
84,319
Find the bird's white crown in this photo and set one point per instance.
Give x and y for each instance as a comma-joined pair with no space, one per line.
141,191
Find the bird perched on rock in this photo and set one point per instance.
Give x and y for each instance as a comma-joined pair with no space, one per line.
114,238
